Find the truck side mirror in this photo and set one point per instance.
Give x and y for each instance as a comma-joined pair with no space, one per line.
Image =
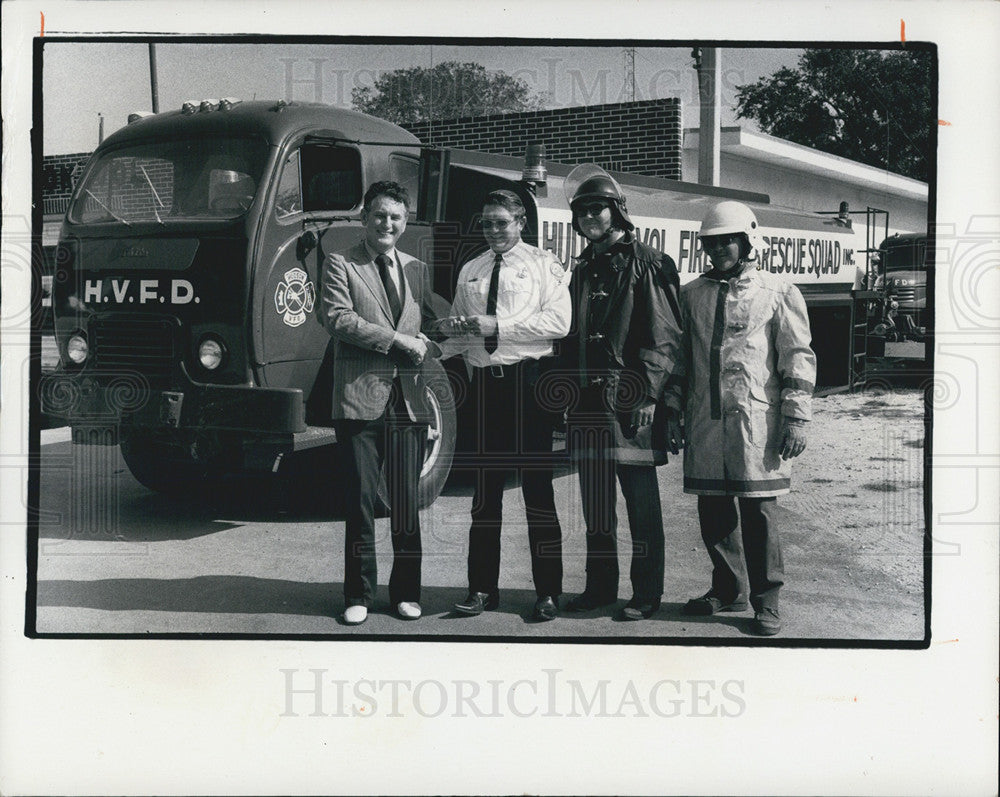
306,243
433,196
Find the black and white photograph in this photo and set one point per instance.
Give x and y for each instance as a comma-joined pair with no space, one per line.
571,371
219,381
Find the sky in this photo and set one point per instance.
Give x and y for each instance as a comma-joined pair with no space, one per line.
83,79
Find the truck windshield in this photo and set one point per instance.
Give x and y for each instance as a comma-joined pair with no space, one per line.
172,180
905,255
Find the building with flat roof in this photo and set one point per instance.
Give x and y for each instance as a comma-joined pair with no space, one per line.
803,178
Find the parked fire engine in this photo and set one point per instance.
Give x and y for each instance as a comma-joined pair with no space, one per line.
185,295
902,282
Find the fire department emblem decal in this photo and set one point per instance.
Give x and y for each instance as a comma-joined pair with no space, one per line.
295,297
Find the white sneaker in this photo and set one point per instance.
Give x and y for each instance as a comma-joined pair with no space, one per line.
409,610
355,615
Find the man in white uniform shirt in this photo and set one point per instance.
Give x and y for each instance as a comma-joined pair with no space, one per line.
511,303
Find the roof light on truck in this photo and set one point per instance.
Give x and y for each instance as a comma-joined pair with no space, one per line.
135,116
189,107
844,215
228,102
534,163
534,173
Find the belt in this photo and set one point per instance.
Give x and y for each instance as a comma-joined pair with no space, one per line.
504,371
500,371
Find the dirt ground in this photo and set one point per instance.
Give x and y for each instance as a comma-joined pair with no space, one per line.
861,482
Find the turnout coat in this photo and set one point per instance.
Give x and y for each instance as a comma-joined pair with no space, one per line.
626,337
746,365
355,311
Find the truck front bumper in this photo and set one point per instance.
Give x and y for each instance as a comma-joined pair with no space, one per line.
93,399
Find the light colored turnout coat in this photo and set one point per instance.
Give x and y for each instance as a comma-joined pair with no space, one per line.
747,363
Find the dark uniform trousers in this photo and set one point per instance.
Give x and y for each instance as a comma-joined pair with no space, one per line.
397,441
514,435
754,559
593,439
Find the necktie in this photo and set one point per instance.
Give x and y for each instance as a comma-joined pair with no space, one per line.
395,306
491,341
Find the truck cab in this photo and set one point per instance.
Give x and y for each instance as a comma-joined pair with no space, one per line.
902,277
186,289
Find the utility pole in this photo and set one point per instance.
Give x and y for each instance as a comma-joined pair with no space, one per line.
152,78
629,68
709,132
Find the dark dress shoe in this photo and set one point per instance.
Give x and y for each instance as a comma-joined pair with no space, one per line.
710,603
546,608
477,603
766,622
639,610
586,602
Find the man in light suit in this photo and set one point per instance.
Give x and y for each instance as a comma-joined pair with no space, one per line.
375,301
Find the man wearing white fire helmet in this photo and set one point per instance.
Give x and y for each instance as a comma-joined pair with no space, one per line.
746,384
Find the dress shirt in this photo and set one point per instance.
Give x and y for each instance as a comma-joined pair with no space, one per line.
533,305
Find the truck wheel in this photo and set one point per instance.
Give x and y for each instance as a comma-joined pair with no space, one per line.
440,450
441,434
162,464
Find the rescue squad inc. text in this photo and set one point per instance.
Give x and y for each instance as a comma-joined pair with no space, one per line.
821,258
779,255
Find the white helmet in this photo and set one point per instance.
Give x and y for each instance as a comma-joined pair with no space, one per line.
733,217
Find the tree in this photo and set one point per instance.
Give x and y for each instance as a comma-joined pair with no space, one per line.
445,91
873,106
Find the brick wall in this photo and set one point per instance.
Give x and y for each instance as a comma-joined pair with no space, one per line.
640,137
59,175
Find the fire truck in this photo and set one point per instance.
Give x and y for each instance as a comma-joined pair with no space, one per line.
185,292
902,280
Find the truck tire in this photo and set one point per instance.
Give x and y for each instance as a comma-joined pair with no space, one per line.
162,464
440,436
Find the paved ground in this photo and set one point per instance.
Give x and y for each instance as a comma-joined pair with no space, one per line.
264,559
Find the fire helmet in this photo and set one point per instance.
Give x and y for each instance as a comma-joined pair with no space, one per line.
590,181
734,217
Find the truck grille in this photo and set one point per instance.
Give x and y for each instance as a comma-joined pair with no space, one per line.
143,346
906,295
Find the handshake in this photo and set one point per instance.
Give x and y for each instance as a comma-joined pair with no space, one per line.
476,325
414,348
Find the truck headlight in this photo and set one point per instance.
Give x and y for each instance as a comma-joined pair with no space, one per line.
211,353
76,349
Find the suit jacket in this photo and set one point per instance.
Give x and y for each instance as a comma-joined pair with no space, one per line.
355,311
